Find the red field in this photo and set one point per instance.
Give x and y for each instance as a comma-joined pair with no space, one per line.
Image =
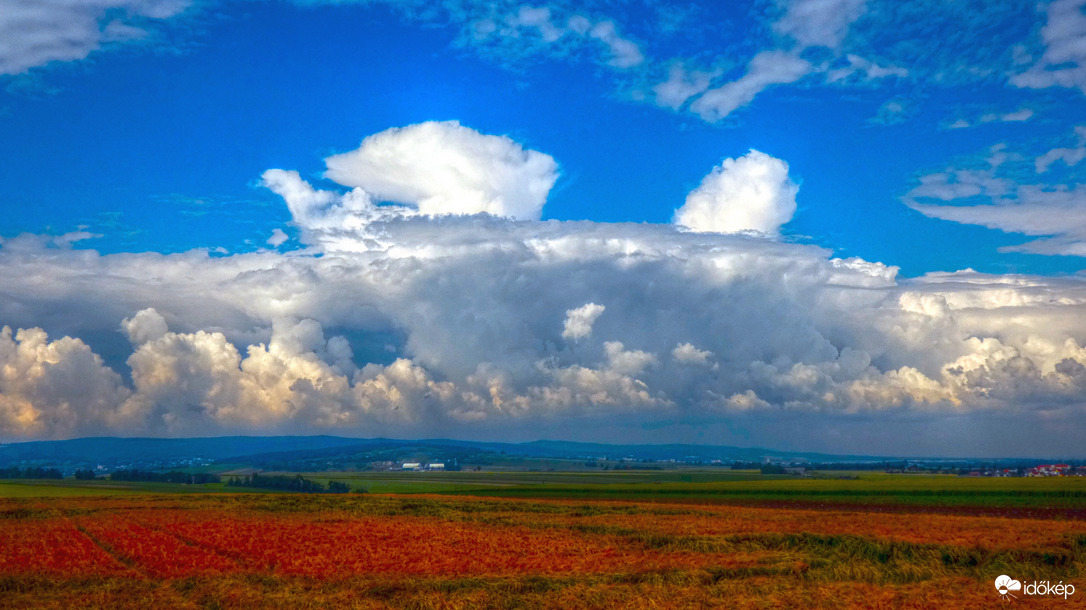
374,551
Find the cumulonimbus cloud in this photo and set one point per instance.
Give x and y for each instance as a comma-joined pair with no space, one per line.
440,332
400,323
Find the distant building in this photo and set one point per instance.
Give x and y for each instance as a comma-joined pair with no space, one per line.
436,466
412,466
1050,470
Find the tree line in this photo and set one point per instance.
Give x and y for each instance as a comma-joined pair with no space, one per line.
30,473
173,476
296,483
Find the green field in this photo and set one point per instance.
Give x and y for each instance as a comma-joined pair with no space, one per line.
53,488
867,489
49,488
737,486
494,483
671,486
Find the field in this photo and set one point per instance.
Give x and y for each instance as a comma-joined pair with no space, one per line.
893,542
1064,496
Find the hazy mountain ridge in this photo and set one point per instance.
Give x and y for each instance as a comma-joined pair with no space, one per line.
119,452
114,451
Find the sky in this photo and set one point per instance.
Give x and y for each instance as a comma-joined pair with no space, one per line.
851,226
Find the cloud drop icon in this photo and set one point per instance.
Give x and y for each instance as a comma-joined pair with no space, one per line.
1005,584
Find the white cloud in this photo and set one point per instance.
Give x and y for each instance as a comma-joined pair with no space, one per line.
146,326
516,35
819,22
403,391
766,69
804,24
860,69
681,85
1063,63
1036,210
578,388
36,32
1018,116
55,388
539,19
327,219
893,111
510,33
579,321
686,353
623,52
278,238
1070,156
751,193
630,363
746,401
445,168
187,382
990,197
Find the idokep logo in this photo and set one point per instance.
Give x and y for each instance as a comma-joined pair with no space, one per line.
1005,585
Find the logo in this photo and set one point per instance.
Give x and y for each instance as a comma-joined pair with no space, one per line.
1005,584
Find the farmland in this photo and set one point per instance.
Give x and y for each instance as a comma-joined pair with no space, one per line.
131,548
855,489
859,489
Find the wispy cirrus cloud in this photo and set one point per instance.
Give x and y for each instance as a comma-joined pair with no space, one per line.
1014,193
1017,116
1063,60
765,70
36,32
516,32
822,25
836,43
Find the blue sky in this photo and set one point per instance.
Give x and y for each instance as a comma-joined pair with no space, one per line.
931,149
141,142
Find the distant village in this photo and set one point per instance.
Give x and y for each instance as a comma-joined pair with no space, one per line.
1040,470
1043,470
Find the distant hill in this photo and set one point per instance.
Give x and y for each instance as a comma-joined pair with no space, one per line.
113,452
319,452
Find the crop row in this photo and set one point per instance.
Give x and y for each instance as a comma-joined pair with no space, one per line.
165,538
52,547
151,551
173,544
414,546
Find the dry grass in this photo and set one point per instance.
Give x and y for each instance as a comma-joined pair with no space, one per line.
435,552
